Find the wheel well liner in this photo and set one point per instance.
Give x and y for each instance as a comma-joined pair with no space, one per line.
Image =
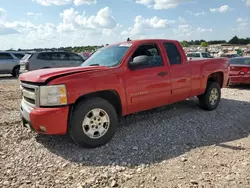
15,67
216,77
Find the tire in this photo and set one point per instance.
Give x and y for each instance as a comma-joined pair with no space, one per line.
207,100
15,71
84,134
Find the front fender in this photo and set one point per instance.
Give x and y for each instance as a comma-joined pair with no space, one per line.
81,84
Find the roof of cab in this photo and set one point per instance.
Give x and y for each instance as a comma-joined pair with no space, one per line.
141,40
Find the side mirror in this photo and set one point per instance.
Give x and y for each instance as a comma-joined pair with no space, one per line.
138,61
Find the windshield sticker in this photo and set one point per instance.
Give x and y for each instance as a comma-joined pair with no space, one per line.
126,44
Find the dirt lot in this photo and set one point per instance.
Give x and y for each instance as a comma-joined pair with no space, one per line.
175,146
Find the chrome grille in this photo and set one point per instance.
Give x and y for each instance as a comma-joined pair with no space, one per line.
30,94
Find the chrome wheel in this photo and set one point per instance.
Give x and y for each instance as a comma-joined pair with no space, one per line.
214,96
96,123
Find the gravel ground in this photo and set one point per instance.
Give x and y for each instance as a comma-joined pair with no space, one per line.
175,146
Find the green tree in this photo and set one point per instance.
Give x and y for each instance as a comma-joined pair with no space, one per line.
234,40
184,43
204,44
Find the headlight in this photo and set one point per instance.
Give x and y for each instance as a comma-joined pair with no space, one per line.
53,95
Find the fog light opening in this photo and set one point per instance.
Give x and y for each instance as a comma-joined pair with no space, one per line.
42,129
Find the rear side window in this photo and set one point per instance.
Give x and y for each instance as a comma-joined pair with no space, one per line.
193,55
44,56
19,56
206,55
196,55
235,55
173,53
60,56
5,56
74,57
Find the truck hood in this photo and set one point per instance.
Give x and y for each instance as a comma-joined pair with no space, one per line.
42,75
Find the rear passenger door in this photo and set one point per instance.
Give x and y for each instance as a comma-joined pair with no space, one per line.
180,72
7,62
43,60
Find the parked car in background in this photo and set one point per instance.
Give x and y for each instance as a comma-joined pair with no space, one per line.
42,60
229,55
9,62
239,71
86,102
85,55
199,55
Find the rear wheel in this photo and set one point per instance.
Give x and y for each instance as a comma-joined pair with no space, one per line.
211,98
93,123
15,71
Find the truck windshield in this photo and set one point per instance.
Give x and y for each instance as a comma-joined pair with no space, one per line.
108,56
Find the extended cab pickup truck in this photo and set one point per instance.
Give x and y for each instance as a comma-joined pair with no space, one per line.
86,102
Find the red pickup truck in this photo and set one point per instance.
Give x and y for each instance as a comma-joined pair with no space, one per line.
86,102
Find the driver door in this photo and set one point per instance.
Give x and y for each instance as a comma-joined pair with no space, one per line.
147,87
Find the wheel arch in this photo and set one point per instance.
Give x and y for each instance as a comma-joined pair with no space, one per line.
112,96
216,77
14,68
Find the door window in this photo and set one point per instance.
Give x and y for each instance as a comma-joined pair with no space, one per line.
19,56
173,53
153,53
5,56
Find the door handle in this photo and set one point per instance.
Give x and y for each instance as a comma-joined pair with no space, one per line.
162,74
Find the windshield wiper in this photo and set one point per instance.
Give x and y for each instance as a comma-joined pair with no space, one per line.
94,65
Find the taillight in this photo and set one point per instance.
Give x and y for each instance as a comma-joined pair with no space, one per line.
237,70
244,71
27,65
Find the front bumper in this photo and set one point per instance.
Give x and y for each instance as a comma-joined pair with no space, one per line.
51,121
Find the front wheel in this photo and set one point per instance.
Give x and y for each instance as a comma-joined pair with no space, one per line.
93,123
211,98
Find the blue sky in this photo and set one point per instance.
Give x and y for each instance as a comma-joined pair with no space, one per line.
55,23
